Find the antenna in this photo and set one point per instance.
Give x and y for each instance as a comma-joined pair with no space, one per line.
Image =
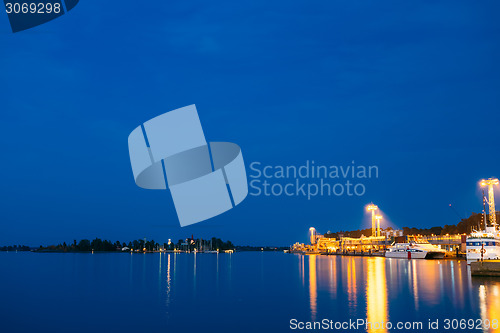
484,213
456,212
490,182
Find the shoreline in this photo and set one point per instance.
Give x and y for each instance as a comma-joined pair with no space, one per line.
375,254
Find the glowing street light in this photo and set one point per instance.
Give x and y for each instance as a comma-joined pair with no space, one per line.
378,218
371,207
312,235
491,198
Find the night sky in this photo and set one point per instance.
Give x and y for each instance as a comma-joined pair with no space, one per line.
412,87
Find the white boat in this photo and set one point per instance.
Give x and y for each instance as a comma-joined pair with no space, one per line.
415,250
487,242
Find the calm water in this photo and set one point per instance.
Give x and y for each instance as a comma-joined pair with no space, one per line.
240,292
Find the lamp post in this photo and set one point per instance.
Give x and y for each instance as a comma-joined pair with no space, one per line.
491,198
378,218
312,235
371,207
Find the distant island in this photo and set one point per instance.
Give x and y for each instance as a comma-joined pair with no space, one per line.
15,248
142,245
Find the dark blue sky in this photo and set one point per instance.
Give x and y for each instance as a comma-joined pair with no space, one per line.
412,87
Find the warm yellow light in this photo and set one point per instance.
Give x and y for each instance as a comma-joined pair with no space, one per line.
490,181
378,217
371,207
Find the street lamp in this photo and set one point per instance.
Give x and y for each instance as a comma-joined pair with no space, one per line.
312,235
378,218
491,198
371,207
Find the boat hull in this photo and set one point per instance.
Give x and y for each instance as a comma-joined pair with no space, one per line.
434,255
415,255
483,246
404,255
474,254
415,251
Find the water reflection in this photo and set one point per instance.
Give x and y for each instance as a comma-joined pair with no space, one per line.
165,276
414,281
312,286
194,273
302,270
489,304
333,279
169,282
461,290
396,290
382,289
351,284
376,294
339,288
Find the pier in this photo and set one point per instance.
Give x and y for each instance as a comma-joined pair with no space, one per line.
485,268
453,244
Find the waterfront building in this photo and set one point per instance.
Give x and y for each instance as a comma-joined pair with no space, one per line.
452,244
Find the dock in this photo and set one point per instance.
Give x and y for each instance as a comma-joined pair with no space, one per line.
485,268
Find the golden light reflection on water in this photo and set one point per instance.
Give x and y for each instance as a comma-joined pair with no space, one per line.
169,281
460,291
376,294
489,304
313,293
351,283
414,280
428,277
333,279
302,270
194,273
419,285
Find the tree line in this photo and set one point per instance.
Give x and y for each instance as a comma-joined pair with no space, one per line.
211,244
474,222
15,248
100,245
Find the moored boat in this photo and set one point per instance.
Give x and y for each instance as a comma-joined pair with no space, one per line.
483,245
415,250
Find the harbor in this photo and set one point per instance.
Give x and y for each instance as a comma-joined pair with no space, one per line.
454,245
480,246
